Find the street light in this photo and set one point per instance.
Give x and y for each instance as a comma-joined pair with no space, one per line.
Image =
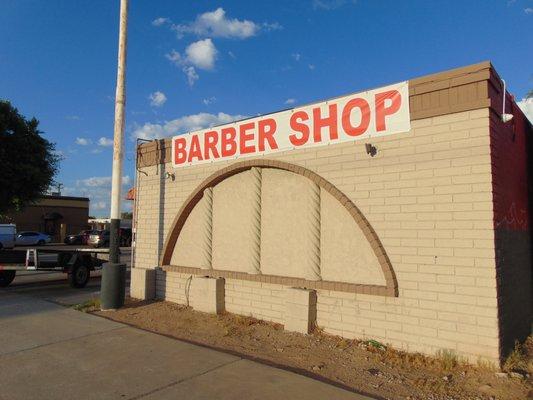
114,274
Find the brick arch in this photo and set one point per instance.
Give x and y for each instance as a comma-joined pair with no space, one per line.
391,286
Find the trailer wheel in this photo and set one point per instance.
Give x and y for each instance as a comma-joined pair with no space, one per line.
78,276
6,277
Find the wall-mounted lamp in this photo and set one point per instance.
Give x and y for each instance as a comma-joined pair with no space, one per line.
370,149
505,117
170,175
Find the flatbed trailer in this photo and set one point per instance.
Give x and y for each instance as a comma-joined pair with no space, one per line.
77,263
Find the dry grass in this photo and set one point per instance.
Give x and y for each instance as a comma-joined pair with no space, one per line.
486,365
520,359
447,359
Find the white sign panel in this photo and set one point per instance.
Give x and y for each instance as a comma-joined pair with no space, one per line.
374,113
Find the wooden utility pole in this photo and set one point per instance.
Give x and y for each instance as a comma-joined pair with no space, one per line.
114,273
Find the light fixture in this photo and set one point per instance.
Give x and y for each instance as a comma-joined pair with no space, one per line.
370,149
505,117
170,175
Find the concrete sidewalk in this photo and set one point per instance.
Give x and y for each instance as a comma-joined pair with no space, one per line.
51,352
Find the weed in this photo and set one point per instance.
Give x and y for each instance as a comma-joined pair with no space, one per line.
486,365
375,344
518,360
343,343
447,359
88,306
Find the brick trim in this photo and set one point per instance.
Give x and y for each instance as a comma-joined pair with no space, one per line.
391,283
377,290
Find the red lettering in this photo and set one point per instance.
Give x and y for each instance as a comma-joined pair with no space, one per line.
246,137
351,130
267,134
228,145
210,144
329,121
196,150
299,127
180,154
381,111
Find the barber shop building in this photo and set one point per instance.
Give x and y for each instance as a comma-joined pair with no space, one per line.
400,214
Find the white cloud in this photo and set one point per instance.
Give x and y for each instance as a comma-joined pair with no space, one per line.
99,205
160,21
100,181
528,10
232,55
216,24
192,76
311,66
274,26
157,99
201,54
83,141
105,142
526,105
183,63
96,151
175,57
331,4
187,123
98,190
296,56
73,117
209,100
290,101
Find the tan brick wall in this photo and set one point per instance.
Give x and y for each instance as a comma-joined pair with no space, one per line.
426,193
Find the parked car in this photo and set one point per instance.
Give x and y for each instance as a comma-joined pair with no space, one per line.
8,234
78,238
30,238
102,238
98,239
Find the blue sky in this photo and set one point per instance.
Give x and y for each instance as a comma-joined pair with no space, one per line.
192,64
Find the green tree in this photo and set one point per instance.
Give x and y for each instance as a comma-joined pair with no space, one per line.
126,215
28,161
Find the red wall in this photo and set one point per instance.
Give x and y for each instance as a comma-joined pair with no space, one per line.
512,174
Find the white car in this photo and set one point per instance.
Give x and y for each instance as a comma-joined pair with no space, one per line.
7,236
29,238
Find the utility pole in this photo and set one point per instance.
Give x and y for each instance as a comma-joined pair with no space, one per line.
114,273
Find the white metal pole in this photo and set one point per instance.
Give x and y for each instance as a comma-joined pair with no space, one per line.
113,288
118,145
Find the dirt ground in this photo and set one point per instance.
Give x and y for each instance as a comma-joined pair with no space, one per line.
363,366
